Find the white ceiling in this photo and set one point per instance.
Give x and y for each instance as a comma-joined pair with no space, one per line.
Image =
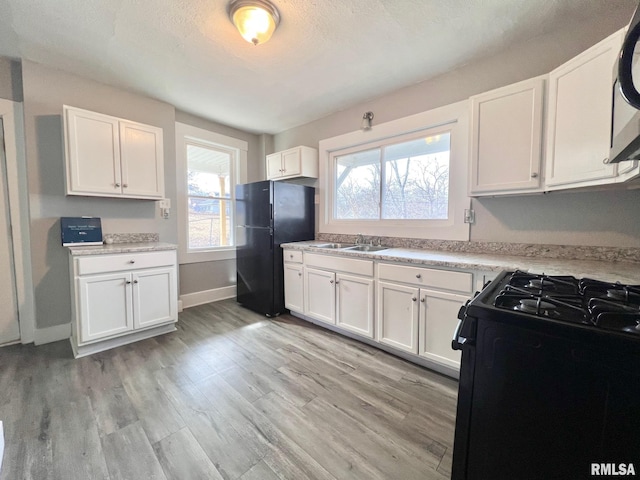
325,56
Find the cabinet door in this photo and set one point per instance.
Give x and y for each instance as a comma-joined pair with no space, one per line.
105,306
274,165
155,296
438,321
354,304
320,295
142,160
506,146
398,316
291,162
579,126
293,287
93,153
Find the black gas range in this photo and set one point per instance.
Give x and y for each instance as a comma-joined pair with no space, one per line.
549,378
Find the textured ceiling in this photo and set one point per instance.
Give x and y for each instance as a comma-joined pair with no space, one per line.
325,56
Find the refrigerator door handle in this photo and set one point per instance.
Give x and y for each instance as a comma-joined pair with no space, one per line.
271,240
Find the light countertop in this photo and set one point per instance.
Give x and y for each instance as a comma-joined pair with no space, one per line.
121,248
624,272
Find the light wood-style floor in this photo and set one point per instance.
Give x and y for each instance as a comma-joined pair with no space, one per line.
230,395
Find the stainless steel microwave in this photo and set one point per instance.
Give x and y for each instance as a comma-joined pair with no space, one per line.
625,124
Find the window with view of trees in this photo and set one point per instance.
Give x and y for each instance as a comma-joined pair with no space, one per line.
210,196
408,180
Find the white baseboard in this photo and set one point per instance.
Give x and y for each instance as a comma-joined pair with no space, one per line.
51,334
207,296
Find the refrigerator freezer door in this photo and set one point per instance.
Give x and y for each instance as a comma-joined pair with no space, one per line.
253,204
293,213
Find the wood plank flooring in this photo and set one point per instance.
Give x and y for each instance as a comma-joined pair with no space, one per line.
230,395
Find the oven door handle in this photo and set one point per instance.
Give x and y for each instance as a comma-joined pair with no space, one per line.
458,340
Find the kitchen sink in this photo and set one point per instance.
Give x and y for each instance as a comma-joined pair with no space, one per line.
367,248
334,245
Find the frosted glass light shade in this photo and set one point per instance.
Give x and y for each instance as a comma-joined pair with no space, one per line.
256,20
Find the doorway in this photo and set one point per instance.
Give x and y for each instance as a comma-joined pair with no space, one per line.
9,322
17,311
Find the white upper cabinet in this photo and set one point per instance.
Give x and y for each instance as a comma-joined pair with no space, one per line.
506,139
579,118
111,157
295,162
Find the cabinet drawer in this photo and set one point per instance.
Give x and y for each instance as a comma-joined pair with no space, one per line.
427,277
293,256
124,261
339,264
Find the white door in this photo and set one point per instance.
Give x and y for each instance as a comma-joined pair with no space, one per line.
105,306
320,295
398,316
293,287
154,297
141,158
93,154
291,162
354,304
274,165
438,321
579,121
9,326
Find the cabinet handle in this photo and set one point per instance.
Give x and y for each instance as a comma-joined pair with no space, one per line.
124,185
337,282
117,185
299,274
418,275
135,281
422,299
534,175
132,261
128,282
290,256
331,281
606,161
414,299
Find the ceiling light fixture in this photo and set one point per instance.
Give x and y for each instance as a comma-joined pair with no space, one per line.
367,118
256,20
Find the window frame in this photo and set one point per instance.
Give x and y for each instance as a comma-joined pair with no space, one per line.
452,118
189,135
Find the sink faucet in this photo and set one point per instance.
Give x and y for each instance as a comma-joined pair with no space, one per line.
359,239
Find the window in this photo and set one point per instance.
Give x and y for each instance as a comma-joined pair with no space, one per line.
210,197
209,166
405,178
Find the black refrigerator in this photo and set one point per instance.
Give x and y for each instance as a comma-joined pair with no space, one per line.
268,214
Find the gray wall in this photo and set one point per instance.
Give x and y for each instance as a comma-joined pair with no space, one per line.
10,79
606,218
197,277
45,92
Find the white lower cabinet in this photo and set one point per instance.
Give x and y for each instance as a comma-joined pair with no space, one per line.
293,287
339,291
438,321
122,298
413,309
320,295
354,304
398,314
